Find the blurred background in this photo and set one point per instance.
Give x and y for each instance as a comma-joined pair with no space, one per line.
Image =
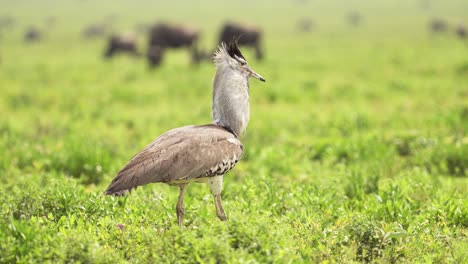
295,26
357,147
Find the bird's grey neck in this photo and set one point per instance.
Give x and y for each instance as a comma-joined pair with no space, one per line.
231,100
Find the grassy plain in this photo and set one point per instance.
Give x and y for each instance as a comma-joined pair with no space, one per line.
357,149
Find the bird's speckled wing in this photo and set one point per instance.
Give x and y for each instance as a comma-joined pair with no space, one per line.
180,154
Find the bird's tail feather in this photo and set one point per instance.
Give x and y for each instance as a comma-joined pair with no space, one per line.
117,193
114,190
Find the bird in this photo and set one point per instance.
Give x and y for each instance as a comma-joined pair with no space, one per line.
199,153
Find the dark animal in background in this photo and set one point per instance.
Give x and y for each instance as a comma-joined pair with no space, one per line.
121,44
198,56
32,35
166,36
438,25
245,35
305,25
354,18
154,55
461,31
95,30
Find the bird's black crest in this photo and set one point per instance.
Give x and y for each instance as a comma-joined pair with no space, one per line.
233,49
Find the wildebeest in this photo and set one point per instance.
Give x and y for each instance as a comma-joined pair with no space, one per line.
166,36
155,55
438,25
461,31
95,30
305,25
199,56
121,44
32,35
245,36
354,18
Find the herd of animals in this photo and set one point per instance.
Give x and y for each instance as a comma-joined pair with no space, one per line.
161,37
165,36
438,25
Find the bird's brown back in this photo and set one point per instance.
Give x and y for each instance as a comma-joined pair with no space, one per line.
185,153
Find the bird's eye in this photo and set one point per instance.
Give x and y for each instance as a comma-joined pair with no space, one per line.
242,63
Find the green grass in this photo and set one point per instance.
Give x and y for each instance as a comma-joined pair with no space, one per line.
357,149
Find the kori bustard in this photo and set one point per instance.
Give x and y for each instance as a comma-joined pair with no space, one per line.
199,153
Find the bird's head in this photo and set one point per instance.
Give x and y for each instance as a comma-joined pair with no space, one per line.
228,56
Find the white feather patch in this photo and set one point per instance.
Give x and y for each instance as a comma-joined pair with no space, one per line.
216,184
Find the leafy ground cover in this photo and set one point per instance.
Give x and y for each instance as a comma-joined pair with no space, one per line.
357,149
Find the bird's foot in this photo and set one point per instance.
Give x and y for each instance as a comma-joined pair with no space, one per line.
222,216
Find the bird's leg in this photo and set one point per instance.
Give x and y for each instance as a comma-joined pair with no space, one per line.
219,208
216,186
180,205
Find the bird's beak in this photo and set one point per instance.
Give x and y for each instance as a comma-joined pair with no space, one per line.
256,75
